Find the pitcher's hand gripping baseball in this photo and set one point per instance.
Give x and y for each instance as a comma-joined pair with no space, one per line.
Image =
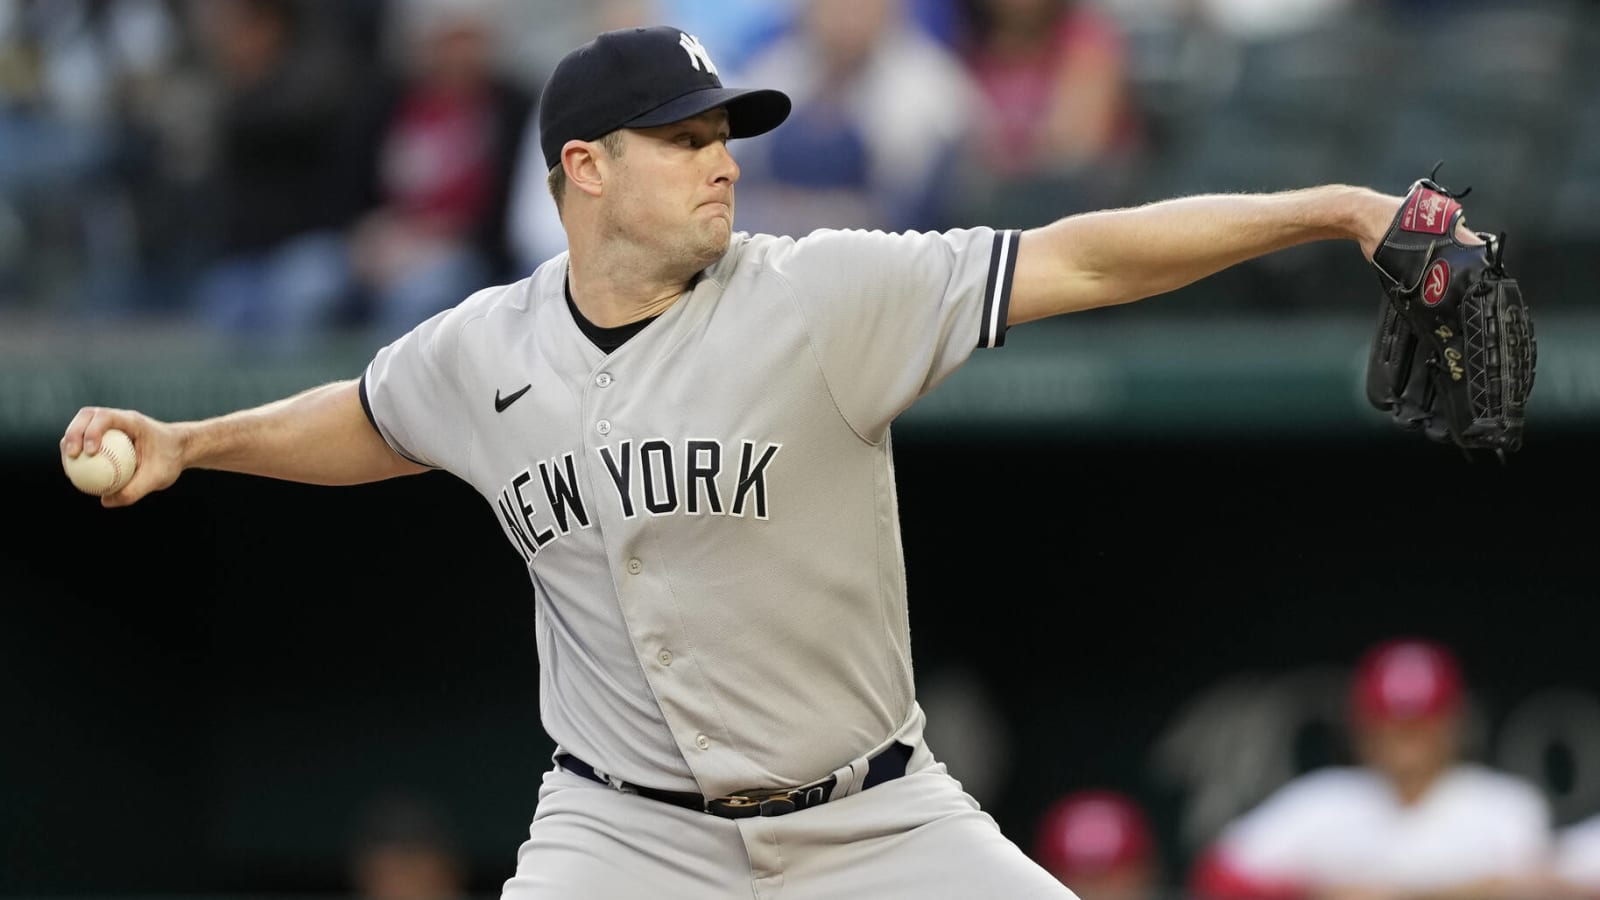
1454,353
97,431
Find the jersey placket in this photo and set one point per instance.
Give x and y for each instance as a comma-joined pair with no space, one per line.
645,595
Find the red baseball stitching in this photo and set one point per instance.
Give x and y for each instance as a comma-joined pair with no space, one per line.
116,468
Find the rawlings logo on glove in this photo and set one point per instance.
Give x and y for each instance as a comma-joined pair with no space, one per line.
1438,279
1454,355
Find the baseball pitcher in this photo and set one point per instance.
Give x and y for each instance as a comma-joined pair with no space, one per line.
684,431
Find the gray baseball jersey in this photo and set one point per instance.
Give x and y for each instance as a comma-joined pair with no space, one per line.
708,513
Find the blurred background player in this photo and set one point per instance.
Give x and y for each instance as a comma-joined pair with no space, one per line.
404,850
1412,818
1577,860
1099,843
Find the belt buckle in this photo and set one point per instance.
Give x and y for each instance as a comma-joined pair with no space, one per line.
771,801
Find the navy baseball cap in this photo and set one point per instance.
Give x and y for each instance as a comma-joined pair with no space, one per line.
639,78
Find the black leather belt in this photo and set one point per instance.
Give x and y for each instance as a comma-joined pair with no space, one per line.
886,766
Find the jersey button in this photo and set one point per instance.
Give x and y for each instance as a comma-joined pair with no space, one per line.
603,379
703,742
665,656
634,566
603,426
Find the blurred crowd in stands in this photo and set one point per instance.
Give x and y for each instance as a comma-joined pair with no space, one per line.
281,168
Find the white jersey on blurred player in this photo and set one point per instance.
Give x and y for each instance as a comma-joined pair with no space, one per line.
1347,826
1578,855
1411,818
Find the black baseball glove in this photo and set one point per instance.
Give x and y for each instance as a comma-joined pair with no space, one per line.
1454,354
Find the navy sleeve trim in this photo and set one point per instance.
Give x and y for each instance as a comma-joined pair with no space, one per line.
366,405
997,291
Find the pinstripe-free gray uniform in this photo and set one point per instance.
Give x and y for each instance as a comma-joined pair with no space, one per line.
709,519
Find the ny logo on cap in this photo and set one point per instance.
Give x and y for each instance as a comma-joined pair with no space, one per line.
698,57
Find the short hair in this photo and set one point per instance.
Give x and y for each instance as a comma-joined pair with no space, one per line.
556,180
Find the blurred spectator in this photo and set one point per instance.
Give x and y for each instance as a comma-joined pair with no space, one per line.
1251,20
534,228
1054,74
1413,819
360,26
277,267
881,128
1099,843
1422,10
1577,862
80,90
738,29
943,20
405,851
1140,13
442,138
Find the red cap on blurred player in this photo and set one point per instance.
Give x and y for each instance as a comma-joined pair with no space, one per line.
1406,679
1091,832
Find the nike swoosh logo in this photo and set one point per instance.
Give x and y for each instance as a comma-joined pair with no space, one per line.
500,403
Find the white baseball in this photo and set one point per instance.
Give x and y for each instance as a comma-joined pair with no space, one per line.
106,471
